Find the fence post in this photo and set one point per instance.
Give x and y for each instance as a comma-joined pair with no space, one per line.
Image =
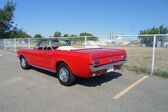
29,43
85,41
14,45
153,55
4,44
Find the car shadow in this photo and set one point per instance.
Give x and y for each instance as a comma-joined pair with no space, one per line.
45,72
98,81
90,82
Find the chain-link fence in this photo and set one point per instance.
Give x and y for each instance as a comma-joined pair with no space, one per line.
146,53
161,55
15,44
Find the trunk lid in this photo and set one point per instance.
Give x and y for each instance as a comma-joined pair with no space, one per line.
104,55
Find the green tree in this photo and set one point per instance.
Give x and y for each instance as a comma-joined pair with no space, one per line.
65,35
57,34
37,36
73,35
7,30
90,36
17,33
148,41
6,16
85,34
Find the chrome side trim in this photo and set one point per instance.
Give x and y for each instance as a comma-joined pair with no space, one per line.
43,68
94,69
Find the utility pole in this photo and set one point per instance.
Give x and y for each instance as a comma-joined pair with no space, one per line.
113,35
110,36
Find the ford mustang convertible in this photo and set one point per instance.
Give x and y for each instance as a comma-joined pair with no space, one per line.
58,56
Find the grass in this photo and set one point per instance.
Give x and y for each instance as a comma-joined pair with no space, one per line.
140,60
160,73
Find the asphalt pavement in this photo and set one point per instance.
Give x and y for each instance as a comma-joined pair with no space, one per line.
36,90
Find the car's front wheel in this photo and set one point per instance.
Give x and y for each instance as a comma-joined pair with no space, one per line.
65,75
23,63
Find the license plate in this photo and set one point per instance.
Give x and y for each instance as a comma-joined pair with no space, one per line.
110,69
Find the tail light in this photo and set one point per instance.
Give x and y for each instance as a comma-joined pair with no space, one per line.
124,57
95,62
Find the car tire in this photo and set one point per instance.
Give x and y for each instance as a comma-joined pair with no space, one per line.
65,75
23,63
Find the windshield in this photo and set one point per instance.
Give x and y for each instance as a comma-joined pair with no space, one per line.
52,44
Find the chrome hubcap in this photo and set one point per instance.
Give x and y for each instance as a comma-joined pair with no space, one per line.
63,74
23,62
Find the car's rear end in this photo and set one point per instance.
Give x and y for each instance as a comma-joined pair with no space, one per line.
105,60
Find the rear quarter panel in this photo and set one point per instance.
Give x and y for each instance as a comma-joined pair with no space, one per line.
77,62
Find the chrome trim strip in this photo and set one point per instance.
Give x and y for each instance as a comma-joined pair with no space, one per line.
43,68
94,69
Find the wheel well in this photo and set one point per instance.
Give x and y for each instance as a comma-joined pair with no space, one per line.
58,63
21,56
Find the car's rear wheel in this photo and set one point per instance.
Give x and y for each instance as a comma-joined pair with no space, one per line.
23,63
65,75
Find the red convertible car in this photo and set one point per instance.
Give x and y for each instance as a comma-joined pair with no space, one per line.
58,56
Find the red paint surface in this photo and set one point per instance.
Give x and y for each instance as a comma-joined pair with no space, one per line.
77,60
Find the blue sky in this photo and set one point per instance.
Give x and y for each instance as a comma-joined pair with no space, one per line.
96,16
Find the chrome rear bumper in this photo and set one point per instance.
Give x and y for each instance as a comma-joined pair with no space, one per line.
107,66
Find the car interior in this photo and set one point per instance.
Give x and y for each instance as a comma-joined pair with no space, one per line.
46,48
